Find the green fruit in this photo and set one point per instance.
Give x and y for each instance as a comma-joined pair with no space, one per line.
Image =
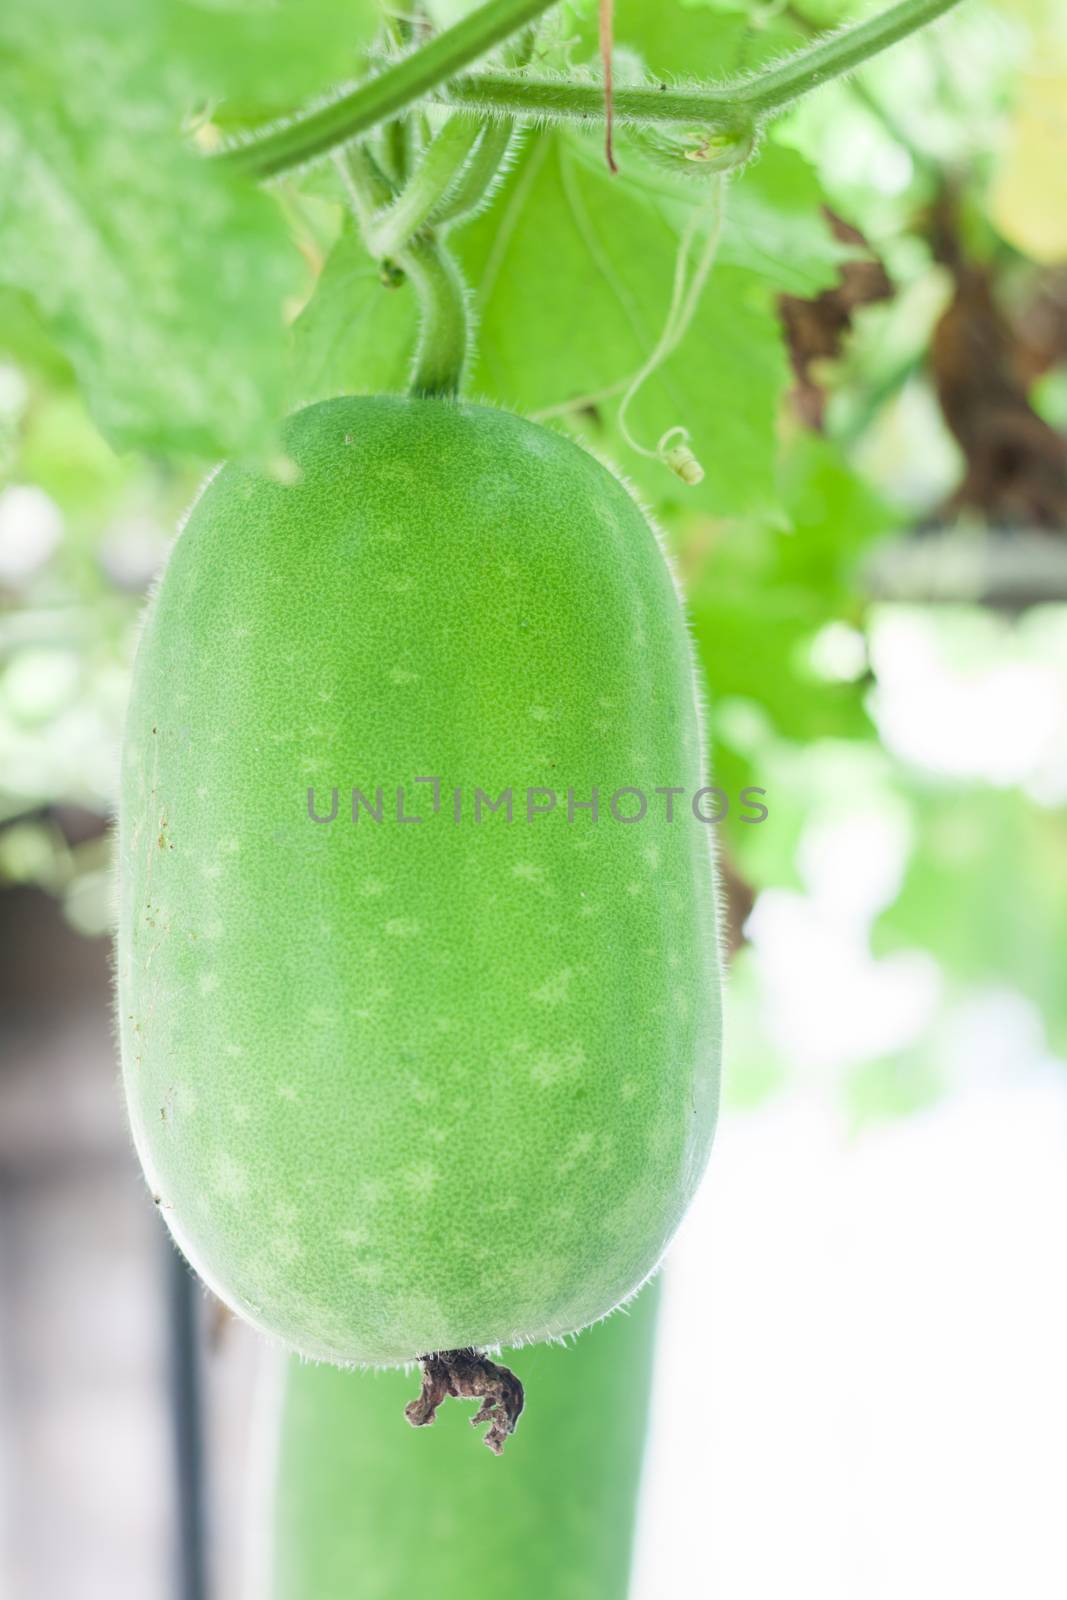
411,1087
357,1511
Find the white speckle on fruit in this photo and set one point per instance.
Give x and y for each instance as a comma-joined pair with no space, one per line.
208,982
555,991
420,1180
403,675
234,1050
286,1091
231,1179
402,928
372,887
550,1066
528,871
578,1149
369,1271
211,870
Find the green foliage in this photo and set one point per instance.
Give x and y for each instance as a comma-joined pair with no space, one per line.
987,889
573,272
161,278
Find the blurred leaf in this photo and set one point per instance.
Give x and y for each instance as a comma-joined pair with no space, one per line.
897,1087
1029,198
24,336
701,39
986,891
270,54
758,595
160,277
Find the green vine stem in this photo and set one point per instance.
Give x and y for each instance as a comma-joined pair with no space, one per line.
411,78
729,107
476,180
436,175
436,67
444,328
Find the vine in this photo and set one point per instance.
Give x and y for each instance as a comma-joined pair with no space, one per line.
437,69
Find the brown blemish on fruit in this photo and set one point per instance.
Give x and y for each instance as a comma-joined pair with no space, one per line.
469,1375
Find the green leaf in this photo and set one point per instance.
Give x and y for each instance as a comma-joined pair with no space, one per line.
682,39
162,279
760,594
986,891
355,336
270,54
775,224
573,273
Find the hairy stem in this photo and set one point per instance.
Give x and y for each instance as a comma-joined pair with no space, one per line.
467,195
444,328
837,53
438,171
522,95
381,97
724,107
435,67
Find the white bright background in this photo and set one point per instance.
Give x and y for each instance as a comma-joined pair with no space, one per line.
861,1381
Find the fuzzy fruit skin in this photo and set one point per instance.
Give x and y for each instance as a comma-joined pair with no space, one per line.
361,1507
413,1087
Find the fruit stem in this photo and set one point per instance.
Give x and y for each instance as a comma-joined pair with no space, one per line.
434,68
469,1375
444,329
411,78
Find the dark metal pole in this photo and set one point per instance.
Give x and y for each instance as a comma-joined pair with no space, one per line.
186,1426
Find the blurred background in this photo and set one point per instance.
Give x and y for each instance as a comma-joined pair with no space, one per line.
860,1386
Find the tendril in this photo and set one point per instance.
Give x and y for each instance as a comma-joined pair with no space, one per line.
673,447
